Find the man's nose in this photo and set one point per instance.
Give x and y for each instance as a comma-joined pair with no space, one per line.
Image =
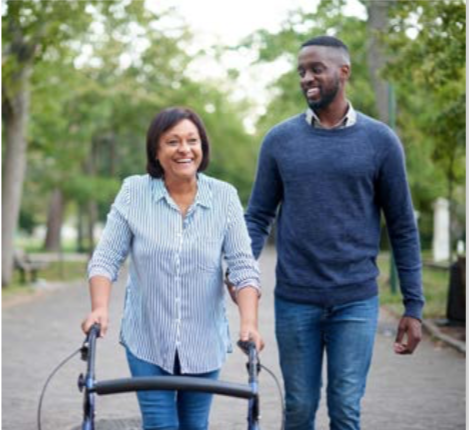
308,77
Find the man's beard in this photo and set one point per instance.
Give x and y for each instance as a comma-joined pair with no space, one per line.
326,98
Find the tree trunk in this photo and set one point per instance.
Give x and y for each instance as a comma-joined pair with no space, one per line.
92,207
16,115
54,221
377,23
80,230
92,218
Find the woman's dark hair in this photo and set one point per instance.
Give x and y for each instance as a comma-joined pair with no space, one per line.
164,121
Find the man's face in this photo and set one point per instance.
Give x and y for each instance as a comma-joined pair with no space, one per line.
322,74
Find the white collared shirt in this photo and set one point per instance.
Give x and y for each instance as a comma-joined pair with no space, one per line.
348,120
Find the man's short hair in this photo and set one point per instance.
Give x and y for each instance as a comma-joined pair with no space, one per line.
326,41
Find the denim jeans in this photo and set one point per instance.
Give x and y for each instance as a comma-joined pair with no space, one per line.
171,410
346,334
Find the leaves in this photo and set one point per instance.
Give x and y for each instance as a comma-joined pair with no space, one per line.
103,71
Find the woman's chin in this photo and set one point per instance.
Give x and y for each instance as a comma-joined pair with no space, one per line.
182,176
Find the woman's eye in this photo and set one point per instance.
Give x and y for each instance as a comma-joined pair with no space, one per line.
172,142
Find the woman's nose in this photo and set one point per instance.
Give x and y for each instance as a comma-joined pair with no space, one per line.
183,147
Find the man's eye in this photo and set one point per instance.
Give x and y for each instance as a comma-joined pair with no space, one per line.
301,73
317,70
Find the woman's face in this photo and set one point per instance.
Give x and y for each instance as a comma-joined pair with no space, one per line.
180,151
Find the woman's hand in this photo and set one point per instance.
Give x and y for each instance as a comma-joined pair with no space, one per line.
100,292
247,299
250,333
98,316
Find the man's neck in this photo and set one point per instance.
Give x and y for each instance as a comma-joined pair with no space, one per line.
332,114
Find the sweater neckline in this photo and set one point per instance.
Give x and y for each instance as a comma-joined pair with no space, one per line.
333,131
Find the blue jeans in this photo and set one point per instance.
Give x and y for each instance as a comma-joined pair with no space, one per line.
171,410
346,334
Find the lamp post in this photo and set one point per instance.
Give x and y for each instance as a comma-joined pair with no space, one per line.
393,278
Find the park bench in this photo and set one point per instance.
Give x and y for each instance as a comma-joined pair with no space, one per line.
27,267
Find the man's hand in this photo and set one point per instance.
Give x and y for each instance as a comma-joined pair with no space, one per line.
411,329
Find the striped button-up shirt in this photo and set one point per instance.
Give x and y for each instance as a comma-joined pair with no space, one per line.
175,296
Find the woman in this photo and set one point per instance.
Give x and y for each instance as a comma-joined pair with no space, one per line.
176,224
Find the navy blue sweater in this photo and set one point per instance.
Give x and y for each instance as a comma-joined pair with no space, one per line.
327,189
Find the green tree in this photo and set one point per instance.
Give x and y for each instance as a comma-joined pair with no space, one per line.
90,114
30,30
428,43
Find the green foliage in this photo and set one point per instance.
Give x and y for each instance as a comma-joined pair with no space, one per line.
434,61
32,30
429,68
439,45
102,71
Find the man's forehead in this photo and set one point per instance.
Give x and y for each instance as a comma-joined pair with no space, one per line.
323,54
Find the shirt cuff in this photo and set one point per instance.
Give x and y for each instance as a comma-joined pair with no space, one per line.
249,283
414,309
99,271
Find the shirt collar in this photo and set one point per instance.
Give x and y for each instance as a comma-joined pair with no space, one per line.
348,120
204,191
202,198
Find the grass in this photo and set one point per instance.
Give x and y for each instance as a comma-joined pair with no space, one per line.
64,271
32,246
435,289
17,289
56,271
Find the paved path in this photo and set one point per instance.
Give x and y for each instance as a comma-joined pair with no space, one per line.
422,392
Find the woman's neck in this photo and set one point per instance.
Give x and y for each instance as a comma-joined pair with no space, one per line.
181,187
182,192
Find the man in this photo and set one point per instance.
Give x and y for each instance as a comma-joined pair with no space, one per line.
326,175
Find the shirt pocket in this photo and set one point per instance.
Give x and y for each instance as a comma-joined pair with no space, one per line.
209,250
